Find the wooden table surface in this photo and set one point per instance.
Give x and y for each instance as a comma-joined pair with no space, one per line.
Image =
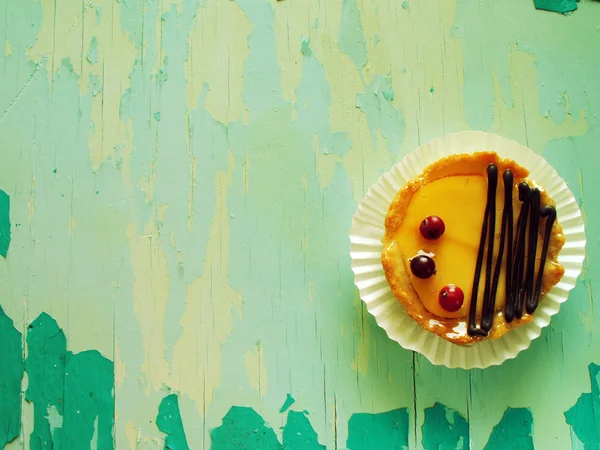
177,182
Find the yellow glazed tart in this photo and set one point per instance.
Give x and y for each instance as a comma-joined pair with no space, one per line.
438,232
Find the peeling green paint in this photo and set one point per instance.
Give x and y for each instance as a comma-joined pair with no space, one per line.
4,223
169,422
26,21
67,64
299,434
584,416
383,431
95,84
289,401
11,374
244,429
312,245
314,101
305,47
472,25
262,76
559,6
382,115
92,54
310,241
195,139
98,14
351,39
515,430
478,92
74,389
445,429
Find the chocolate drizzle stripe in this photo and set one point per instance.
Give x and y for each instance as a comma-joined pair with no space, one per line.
534,226
521,253
490,210
493,177
519,257
550,214
509,312
487,318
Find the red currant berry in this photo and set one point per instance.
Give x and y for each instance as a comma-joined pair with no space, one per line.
422,266
451,298
432,227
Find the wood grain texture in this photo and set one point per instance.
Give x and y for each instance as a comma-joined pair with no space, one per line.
182,177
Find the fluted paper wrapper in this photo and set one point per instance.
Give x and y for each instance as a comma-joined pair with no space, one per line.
367,232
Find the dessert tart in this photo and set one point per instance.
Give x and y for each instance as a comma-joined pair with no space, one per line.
471,247
391,294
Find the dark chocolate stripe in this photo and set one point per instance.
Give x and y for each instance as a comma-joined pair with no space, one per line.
492,186
490,214
487,317
534,227
550,213
519,257
509,312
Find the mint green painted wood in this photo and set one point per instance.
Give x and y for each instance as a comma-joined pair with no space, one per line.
180,179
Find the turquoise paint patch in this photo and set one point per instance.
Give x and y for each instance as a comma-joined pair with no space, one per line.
169,422
244,429
305,47
262,77
314,101
584,416
11,374
351,39
382,115
4,223
299,434
289,401
445,429
75,390
92,54
514,431
559,6
26,21
384,431
98,14
67,64
95,84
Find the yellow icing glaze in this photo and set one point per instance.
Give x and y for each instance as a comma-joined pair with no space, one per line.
462,211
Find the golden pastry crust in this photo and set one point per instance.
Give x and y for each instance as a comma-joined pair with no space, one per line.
396,264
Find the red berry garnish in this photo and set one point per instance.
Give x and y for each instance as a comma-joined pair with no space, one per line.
432,227
451,298
422,266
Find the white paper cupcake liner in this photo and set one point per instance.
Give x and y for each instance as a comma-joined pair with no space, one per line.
368,229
